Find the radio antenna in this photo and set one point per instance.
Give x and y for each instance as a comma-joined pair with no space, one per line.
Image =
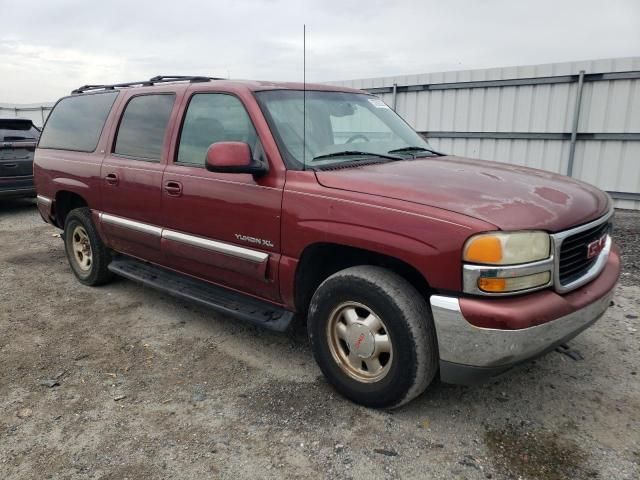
304,96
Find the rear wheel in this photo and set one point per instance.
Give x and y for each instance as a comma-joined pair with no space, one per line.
373,336
87,254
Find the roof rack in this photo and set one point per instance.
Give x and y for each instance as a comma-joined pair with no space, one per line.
147,83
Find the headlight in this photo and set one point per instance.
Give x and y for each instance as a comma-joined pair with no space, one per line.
500,248
507,262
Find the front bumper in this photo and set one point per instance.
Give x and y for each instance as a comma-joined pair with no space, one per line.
470,354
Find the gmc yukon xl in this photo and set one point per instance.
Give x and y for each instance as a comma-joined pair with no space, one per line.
273,201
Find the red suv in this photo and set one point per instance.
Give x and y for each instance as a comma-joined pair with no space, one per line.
267,201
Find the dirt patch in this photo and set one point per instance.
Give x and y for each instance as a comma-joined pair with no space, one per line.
302,407
536,455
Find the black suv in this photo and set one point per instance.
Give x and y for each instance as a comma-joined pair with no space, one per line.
18,138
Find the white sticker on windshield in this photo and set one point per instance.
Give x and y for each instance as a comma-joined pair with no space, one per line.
376,102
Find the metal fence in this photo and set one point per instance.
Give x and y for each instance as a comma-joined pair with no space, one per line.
579,118
36,113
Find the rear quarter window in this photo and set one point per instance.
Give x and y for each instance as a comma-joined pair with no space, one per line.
76,122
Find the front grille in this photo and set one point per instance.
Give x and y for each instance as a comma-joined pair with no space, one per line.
573,262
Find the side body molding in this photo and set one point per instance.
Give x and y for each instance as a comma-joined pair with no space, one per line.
216,246
220,254
130,224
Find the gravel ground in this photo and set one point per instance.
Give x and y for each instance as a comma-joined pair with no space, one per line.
627,235
123,382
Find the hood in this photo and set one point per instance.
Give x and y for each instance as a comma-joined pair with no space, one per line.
507,196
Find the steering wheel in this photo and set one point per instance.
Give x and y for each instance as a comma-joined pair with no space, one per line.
353,138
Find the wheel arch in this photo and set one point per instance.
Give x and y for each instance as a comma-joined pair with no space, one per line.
319,261
65,201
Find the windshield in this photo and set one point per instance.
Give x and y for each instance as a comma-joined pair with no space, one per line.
340,127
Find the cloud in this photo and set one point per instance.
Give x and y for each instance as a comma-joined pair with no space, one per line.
49,48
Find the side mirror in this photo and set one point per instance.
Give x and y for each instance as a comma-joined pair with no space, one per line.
233,157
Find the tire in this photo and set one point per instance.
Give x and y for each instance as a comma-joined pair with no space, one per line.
90,262
347,355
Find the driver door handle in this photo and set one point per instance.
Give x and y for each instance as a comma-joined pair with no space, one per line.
111,178
173,188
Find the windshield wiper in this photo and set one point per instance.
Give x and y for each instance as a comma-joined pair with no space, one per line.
356,152
410,149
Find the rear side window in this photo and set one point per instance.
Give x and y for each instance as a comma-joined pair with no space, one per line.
211,118
143,126
76,122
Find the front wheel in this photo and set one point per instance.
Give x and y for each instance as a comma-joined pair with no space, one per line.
373,336
87,254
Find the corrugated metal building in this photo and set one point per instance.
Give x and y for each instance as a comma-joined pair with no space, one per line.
527,116
522,115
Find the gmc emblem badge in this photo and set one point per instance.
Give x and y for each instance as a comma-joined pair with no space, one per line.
595,247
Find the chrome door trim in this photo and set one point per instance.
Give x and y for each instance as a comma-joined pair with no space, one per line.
193,240
215,246
131,224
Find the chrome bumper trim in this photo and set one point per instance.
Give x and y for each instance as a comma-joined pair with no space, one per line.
463,343
44,200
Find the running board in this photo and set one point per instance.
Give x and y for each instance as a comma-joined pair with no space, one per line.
225,301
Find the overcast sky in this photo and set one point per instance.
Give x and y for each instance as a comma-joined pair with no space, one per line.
48,47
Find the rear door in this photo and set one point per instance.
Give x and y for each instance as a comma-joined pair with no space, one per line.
18,140
222,227
132,175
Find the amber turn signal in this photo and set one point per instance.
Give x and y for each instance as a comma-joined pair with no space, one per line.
513,284
492,284
484,249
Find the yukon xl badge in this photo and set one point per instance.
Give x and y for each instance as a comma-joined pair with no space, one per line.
256,241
